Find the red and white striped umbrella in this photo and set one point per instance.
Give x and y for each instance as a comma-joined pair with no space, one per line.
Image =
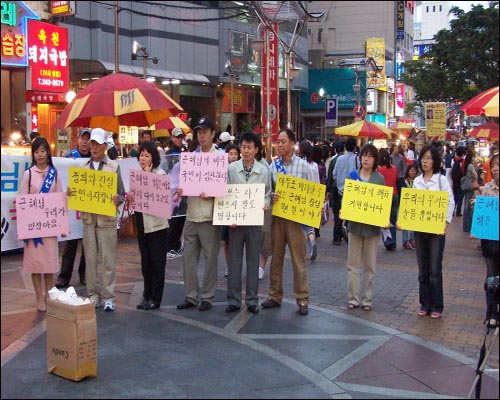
118,99
488,130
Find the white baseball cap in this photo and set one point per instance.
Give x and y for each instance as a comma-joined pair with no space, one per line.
177,132
226,136
99,135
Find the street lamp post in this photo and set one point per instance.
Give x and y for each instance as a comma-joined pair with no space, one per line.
358,66
136,49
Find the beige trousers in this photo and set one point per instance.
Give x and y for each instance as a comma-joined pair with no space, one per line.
100,244
361,250
288,232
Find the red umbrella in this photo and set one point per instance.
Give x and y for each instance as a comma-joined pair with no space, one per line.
118,99
485,103
451,135
488,130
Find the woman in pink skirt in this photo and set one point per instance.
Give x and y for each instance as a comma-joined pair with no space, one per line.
41,255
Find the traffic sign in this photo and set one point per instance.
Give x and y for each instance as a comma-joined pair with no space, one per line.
358,111
331,111
314,97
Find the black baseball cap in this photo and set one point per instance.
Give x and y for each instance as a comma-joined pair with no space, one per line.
205,123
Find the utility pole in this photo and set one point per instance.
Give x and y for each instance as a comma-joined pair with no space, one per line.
117,68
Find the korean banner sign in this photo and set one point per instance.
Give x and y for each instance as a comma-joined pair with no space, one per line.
243,205
48,56
203,172
41,215
152,193
92,191
300,200
366,203
423,210
485,219
435,118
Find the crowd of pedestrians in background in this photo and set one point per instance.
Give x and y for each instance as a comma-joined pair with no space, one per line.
192,235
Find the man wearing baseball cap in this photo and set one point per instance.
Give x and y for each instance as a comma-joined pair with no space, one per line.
200,235
225,138
71,246
176,141
99,231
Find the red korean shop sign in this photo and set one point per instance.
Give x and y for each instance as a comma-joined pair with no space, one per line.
271,67
48,57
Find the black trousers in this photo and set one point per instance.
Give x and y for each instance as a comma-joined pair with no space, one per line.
176,225
68,259
153,259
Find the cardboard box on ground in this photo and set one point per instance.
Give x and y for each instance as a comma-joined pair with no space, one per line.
71,340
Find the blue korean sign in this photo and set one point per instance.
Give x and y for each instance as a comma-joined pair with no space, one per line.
331,111
485,218
420,49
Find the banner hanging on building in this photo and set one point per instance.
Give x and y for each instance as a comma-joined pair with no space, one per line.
400,18
48,56
375,48
270,65
400,99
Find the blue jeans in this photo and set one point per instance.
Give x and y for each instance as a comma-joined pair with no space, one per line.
408,235
430,248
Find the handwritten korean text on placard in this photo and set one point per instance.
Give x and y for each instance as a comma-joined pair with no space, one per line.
243,205
485,218
41,215
92,191
203,172
366,203
151,193
423,210
300,200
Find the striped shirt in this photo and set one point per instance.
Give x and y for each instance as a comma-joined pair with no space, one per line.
296,167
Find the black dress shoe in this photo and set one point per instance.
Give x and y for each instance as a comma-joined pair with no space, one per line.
253,309
186,304
232,308
154,306
205,306
270,303
144,305
60,283
303,309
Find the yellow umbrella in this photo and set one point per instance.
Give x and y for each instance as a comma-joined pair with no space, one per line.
163,127
401,128
365,129
485,103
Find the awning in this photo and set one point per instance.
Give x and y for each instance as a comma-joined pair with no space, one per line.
87,68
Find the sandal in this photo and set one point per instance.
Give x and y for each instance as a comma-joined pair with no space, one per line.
422,313
435,315
352,306
367,308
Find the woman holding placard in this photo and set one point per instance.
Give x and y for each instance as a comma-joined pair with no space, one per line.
151,236
489,248
430,246
363,238
41,255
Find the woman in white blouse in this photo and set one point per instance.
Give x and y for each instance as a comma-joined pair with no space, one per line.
430,246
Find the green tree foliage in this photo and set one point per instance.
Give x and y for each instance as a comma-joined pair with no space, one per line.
464,60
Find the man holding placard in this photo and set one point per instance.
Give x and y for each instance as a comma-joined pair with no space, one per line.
247,171
285,231
99,226
200,235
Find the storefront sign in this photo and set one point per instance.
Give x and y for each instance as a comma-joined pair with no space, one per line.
270,64
48,56
331,112
44,97
400,18
14,32
420,49
400,99
375,48
62,8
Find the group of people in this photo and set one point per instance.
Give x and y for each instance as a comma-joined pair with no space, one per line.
258,243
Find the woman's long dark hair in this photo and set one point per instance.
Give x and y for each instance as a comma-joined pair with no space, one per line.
306,151
385,158
35,145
